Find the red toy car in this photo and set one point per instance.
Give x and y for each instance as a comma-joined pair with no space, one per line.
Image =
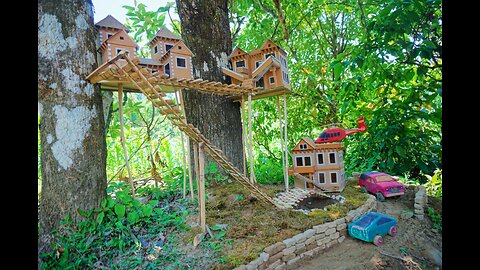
380,184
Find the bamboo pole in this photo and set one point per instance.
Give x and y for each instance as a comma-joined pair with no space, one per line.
242,104
282,149
201,166
195,162
285,171
184,160
189,158
250,152
122,137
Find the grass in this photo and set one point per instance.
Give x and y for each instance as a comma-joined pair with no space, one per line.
252,226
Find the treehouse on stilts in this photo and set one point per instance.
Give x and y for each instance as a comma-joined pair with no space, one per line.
169,70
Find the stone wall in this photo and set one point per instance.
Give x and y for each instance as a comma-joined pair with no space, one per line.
420,202
291,252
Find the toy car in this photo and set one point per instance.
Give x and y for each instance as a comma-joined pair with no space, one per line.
372,227
380,184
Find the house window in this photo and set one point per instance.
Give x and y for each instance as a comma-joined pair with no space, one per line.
333,177
260,83
308,161
303,161
320,158
299,161
272,80
268,55
321,178
109,35
122,38
303,146
331,157
258,63
155,50
181,62
168,47
240,63
283,61
119,50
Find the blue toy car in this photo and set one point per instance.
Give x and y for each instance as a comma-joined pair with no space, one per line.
372,227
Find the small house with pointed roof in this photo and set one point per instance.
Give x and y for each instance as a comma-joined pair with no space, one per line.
322,164
113,38
173,55
262,67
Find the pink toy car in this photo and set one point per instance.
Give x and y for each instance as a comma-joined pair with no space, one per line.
380,184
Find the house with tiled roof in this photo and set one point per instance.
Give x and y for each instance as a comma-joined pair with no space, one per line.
114,38
321,165
169,54
265,67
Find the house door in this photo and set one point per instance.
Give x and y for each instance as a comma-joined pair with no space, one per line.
167,69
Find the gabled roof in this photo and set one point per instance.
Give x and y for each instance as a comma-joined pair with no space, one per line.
115,39
175,49
110,21
164,32
308,140
236,51
269,41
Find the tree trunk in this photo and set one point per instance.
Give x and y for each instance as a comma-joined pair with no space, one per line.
73,156
206,32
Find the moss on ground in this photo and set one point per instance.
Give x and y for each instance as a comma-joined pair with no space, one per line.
252,225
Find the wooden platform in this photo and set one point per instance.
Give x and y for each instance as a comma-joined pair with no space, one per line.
110,74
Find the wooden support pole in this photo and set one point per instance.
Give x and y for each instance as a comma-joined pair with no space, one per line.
282,147
242,104
201,190
250,139
184,160
189,158
195,162
122,137
285,171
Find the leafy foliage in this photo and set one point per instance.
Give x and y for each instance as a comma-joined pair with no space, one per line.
379,59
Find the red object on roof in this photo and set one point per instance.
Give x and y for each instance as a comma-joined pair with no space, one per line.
335,134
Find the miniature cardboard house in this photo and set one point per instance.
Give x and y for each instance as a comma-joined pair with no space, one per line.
263,67
114,38
321,163
170,55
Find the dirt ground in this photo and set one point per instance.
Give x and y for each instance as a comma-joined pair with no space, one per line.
416,245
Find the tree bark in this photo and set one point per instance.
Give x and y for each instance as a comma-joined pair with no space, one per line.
206,32
73,156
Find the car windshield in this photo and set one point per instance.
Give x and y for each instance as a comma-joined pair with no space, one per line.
366,220
384,178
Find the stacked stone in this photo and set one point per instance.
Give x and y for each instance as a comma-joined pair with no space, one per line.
291,252
291,197
420,202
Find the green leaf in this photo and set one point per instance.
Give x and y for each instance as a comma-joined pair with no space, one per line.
132,217
399,149
147,210
100,217
104,202
120,210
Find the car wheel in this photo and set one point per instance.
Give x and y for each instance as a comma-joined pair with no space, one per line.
378,240
363,189
393,231
380,197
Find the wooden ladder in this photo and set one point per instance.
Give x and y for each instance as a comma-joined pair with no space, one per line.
142,79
